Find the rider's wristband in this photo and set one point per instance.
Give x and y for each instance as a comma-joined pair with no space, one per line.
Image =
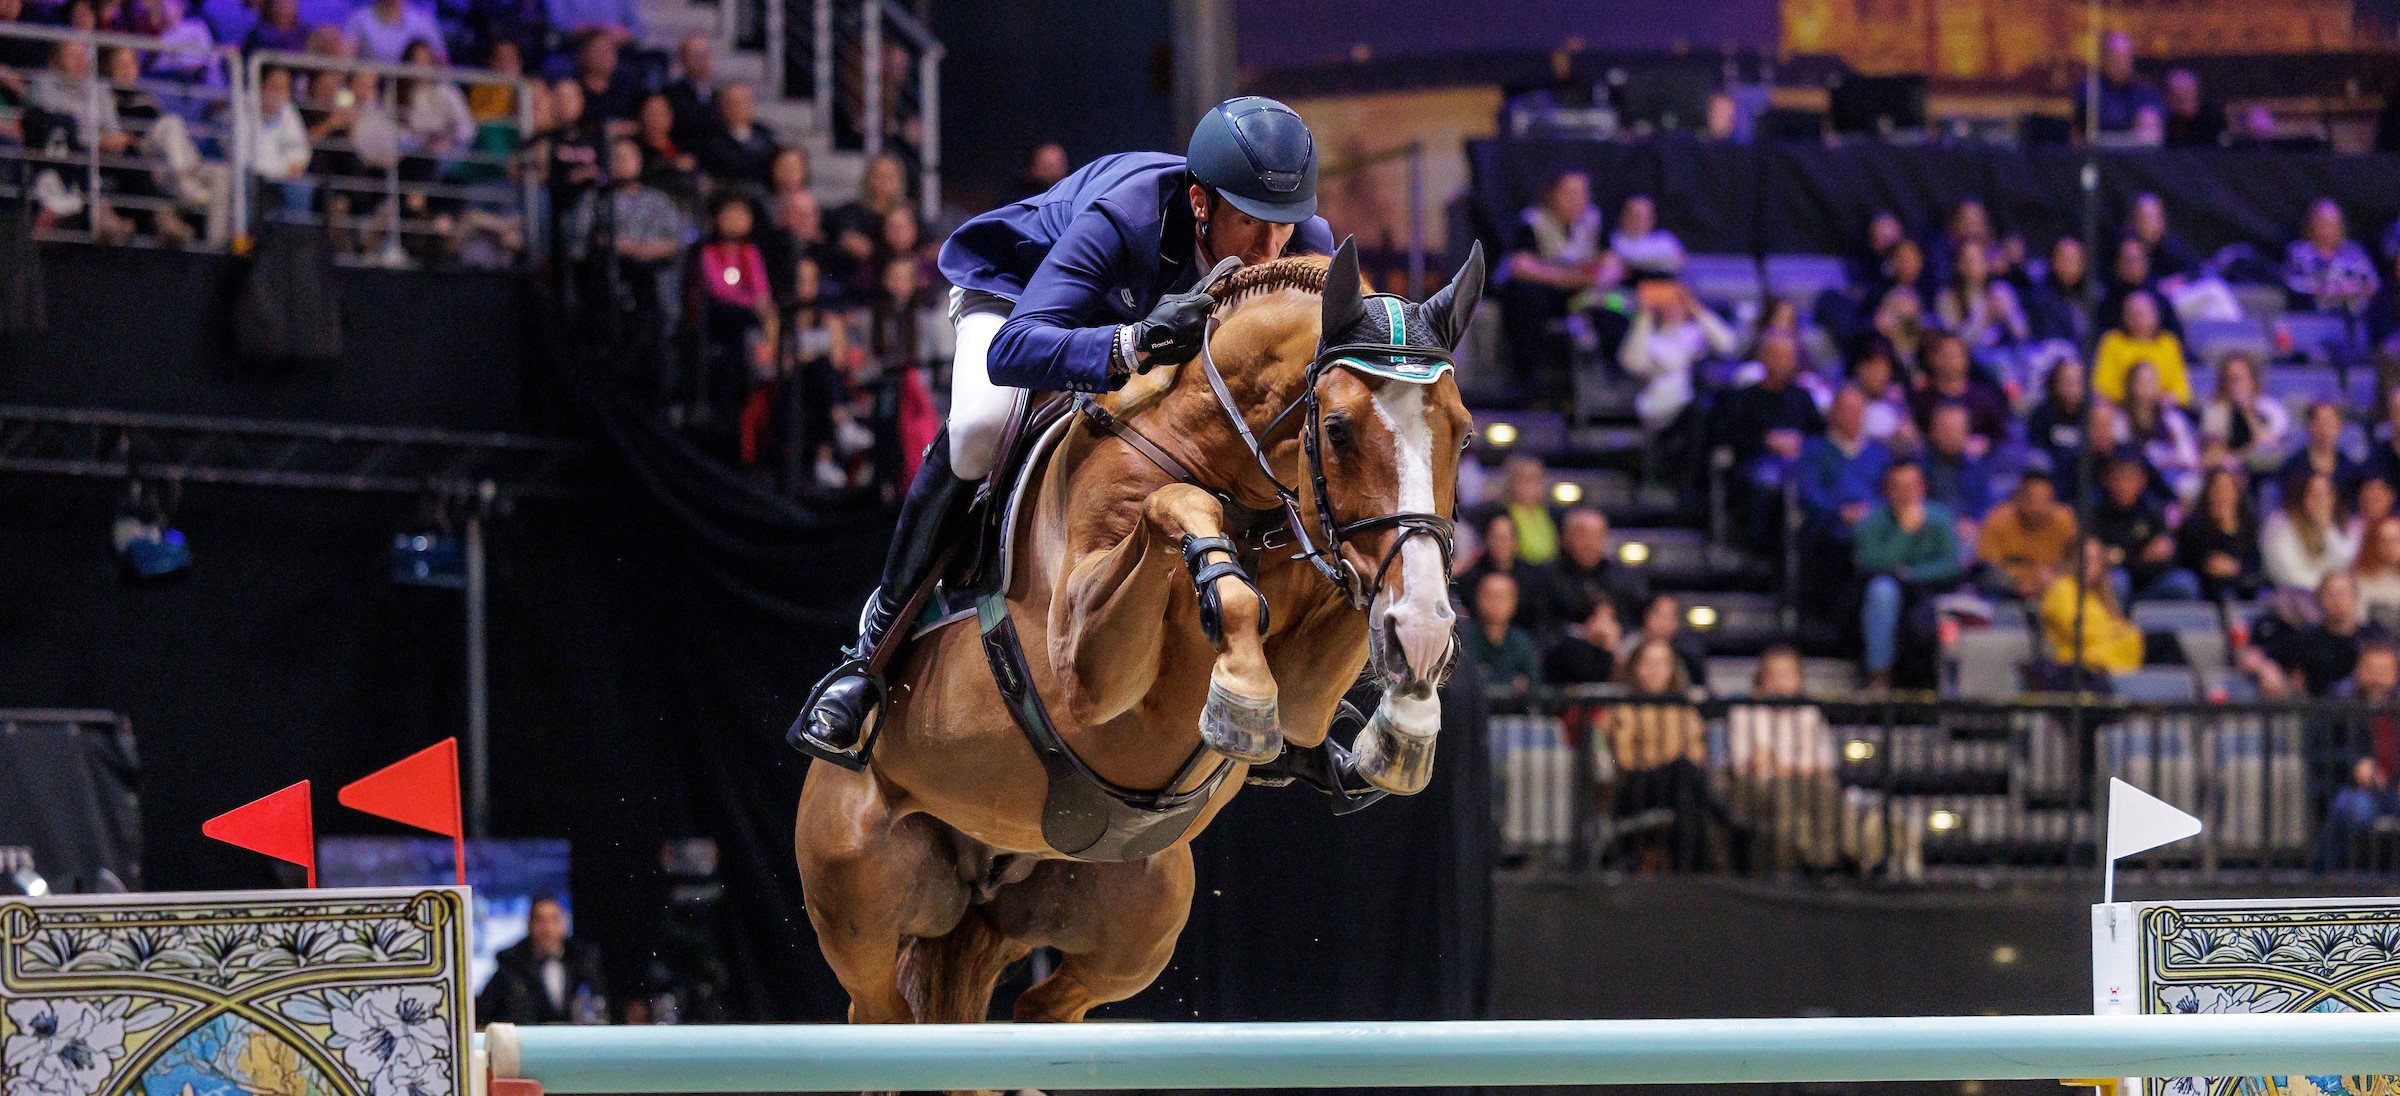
1123,360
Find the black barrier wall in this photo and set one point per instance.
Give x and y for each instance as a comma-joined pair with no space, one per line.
1795,197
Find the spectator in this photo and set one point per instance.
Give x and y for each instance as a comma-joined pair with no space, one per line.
666,167
2258,128
1907,553
570,148
645,231
2378,573
2383,317
2354,810
2163,432
1955,479
382,30
896,240
432,113
1840,472
2321,453
2242,420
2058,307
2218,541
2171,260
1584,574
729,308
2139,337
228,20
1763,425
1976,308
2054,428
619,20
2375,499
1528,505
2384,462
856,225
1045,164
548,977
1658,746
1884,232
611,93
1949,375
2123,94
1647,250
787,172
2304,540
497,102
280,154
2024,538
1900,312
1969,228
2193,119
1782,757
17,55
1500,650
2140,542
2325,270
66,104
1662,620
279,29
2320,655
1555,260
796,232
154,129
2112,643
738,148
1887,415
692,95
1672,333
1500,556
1586,654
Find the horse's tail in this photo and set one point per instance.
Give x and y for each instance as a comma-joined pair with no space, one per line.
949,979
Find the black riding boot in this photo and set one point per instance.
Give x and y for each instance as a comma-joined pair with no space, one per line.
839,706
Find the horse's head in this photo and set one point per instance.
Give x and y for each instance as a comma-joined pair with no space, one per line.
1355,402
1390,429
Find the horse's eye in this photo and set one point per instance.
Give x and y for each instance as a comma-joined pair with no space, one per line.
1337,431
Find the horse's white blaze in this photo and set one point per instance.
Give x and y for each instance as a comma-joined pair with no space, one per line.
1422,617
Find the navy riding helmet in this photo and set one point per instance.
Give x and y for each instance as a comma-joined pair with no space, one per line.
1257,154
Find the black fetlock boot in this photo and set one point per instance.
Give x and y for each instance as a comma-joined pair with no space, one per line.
829,727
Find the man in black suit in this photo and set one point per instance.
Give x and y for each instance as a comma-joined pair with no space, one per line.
542,977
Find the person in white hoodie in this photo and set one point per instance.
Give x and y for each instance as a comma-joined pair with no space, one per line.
1673,333
279,157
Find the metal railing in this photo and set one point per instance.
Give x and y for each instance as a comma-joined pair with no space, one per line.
183,137
441,184
856,99
1906,787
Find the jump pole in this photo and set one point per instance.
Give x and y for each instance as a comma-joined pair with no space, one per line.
818,1058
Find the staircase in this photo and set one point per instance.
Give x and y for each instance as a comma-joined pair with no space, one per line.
809,60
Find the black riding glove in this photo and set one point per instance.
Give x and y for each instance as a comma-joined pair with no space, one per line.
1172,334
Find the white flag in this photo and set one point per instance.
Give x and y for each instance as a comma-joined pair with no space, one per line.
2138,820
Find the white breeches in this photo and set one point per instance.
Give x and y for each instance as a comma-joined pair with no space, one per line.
979,409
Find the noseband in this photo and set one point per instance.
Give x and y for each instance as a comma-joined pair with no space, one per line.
1324,552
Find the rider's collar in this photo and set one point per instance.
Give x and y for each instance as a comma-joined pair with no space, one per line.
1381,341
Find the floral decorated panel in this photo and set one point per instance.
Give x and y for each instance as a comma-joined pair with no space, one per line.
2268,956
289,993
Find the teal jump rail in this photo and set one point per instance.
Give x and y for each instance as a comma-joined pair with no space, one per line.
819,1058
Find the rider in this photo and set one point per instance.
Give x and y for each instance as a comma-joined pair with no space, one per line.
1077,289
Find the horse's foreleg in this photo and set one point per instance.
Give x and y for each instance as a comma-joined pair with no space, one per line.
1112,624
1394,751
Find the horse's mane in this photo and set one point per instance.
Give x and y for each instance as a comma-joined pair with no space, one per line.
1305,273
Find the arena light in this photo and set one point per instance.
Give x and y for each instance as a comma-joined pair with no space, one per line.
1500,435
428,558
1634,553
1858,749
1942,821
1703,617
2004,956
1567,493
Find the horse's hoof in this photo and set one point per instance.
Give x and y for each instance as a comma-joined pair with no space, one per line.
1244,728
1392,759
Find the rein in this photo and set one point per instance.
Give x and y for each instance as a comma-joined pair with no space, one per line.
1323,552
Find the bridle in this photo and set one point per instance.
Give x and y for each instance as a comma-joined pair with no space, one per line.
1325,552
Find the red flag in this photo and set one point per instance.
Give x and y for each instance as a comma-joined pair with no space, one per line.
277,825
419,790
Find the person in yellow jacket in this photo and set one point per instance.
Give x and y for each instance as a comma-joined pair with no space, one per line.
2112,643
2140,337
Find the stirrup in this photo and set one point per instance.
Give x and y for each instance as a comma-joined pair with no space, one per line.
856,757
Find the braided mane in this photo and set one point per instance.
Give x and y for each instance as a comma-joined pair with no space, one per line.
1305,273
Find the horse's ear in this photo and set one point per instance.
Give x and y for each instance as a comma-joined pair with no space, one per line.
1452,306
1343,305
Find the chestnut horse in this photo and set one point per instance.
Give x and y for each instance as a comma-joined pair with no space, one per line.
929,873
